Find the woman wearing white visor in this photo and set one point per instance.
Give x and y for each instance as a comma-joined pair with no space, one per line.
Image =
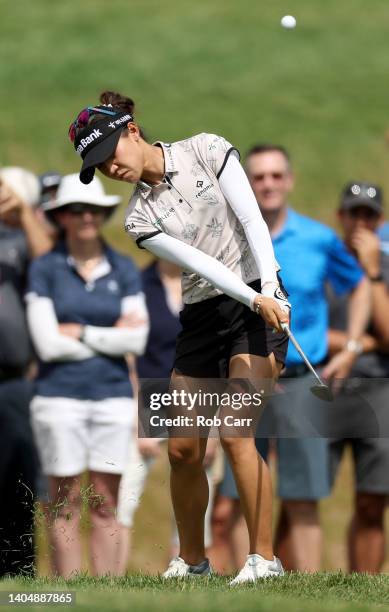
85,311
193,206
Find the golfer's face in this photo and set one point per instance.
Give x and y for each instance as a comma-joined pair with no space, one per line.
271,179
127,163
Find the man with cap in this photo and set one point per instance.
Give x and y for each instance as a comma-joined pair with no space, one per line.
360,214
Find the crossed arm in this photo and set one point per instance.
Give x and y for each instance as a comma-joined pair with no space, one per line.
56,341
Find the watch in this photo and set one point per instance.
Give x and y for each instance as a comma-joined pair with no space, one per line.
354,346
376,279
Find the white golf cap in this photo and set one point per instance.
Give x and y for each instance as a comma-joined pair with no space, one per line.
72,191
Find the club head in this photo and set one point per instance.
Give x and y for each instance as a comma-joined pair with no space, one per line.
322,392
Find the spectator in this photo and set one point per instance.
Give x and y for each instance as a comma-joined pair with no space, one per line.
49,183
360,215
21,239
85,312
303,477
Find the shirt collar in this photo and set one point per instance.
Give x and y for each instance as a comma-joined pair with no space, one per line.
170,166
102,269
290,226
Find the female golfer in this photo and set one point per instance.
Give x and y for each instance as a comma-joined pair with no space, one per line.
193,206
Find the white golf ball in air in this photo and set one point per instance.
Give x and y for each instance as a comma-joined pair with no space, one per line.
289,22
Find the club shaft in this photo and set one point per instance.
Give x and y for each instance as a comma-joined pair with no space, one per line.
298,348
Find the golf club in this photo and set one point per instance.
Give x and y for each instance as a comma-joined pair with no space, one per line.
321,390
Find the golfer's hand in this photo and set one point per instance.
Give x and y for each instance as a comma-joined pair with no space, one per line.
271,312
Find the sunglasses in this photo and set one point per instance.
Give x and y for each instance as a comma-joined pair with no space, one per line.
79,208
83,117
277,176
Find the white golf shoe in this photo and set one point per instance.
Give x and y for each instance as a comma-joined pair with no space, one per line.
256,568
179,569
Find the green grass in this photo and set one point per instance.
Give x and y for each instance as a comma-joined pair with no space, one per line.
296,592
220,66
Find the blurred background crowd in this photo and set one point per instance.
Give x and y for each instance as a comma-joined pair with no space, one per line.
84,315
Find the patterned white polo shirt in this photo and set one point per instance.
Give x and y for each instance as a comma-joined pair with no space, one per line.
190,206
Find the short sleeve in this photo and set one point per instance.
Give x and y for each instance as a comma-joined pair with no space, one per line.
138,226
343,271
39,277
215,151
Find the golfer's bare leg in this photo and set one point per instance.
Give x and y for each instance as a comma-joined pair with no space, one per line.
189,491
251,472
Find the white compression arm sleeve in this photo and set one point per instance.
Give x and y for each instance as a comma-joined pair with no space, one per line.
49,343
237,191
207,267
116,341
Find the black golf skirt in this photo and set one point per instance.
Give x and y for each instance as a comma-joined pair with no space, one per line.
216,329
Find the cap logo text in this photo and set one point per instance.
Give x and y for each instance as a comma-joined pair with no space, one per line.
84,142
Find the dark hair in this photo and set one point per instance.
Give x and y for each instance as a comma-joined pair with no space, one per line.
257,149
118,102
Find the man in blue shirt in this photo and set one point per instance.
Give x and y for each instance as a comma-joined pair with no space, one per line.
310,255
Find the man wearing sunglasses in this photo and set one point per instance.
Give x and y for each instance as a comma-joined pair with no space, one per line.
360,214
310,255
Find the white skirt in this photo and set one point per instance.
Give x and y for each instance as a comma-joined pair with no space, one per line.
76,435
